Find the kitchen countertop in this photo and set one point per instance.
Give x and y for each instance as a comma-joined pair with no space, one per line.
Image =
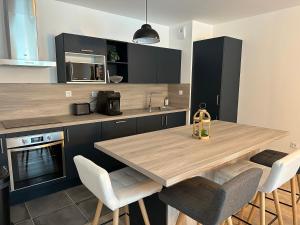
69,120
173,155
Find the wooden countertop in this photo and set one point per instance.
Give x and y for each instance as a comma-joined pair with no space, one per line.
170,156
69,120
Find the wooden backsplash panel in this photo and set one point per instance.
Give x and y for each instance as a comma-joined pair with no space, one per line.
177,100
37,100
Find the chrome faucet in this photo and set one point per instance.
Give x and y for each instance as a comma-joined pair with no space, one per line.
150,100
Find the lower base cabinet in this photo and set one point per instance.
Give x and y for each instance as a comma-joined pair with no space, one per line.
3,153
118,128
79,140
160,122
175,119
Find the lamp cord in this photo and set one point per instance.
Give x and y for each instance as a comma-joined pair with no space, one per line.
146,11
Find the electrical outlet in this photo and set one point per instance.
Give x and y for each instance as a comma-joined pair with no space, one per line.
294,145
68,94
180,92
94,94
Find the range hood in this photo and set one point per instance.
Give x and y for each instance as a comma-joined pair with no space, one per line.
21,34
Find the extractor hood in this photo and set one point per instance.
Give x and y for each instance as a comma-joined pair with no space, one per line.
21,34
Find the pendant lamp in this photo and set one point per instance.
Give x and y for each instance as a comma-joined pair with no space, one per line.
146,35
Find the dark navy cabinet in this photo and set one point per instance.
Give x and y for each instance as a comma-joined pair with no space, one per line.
84,44
168,66
79,140
149,123
142,64
3,152
147,64
159,122
216,77
138,63
118,128
175,119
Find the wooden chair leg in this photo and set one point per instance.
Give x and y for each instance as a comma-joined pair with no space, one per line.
298,179
180,219
262,208
294,200
127,219
229,221
256,198
144,212
277,207
97,213
116,217
242,214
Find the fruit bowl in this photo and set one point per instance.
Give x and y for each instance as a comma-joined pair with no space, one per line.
115,79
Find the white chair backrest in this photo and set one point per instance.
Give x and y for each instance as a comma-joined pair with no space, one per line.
282,171
97,180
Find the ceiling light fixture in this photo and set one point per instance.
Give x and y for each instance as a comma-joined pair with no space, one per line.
146,35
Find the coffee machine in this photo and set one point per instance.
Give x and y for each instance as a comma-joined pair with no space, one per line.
108,103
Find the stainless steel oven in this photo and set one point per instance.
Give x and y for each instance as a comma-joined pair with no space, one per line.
35,159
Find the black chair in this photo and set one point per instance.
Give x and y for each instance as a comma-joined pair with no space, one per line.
208,202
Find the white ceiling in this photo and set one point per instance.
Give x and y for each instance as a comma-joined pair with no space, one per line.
170,12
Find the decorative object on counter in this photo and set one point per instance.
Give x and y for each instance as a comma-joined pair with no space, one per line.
116,79
108,103
146,35
201,123
113,55
79,109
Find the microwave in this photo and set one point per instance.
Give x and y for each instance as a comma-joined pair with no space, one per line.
86,72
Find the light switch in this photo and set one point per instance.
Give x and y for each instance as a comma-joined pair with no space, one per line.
180,92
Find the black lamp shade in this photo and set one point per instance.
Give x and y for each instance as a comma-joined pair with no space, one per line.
146,35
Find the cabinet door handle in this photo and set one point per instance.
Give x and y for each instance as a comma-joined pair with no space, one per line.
162,121
1,145
87,50
68,136
121,121
218,99
166,120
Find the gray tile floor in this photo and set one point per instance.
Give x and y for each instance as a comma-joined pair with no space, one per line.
75,206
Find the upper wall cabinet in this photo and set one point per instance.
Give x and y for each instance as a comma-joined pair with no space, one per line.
147,64
84,44
136,63
168,66
142,64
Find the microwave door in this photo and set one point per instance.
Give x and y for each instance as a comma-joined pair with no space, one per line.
81,72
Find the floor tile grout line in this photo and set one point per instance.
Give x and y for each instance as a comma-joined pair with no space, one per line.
48,213
74,203
26,207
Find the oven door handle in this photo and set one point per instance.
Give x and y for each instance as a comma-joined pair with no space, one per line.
35,147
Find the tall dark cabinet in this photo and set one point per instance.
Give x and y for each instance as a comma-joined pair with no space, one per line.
216,77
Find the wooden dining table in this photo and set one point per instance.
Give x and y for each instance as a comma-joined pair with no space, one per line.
173,155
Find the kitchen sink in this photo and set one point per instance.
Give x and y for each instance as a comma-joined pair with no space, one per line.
158,109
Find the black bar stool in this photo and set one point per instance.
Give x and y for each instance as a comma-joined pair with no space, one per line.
208,202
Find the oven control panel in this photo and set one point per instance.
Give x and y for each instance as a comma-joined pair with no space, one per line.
34,139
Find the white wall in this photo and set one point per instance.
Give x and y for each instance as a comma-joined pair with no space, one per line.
270,77
55,17
194,31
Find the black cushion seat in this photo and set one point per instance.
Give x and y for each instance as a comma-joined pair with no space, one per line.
268,157
208,202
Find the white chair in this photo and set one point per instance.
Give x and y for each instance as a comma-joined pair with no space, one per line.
117,189
282,171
